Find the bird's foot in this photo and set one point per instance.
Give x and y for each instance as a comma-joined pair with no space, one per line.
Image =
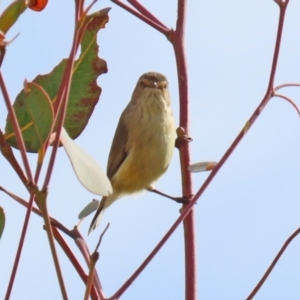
183,200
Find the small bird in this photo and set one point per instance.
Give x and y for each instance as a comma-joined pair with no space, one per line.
144,141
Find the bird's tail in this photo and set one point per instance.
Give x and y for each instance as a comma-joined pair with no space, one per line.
98,215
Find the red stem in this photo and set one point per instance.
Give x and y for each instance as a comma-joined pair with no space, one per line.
150,22
16,128
189,227
19,250
74,234
74,261
274,262
22,149
294,84
289,101
258,110
146,12
61,107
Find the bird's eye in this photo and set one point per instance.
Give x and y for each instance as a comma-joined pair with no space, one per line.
141,83
165,86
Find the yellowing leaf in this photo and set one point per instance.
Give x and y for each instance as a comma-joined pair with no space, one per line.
202,166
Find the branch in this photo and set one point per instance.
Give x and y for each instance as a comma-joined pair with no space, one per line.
289,101
74,234
16,128
274,262
146,12
144,18
258,110
177,38
286,85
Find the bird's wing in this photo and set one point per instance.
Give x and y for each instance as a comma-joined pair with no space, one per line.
118,151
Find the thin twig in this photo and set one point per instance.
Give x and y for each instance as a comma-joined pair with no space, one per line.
177,38
22,148
75,263
274,262
82,246
13,118
101,236
278,87
19,249
60,106
93,260
7,152
158,27
146,13
288,100
62,96
89,283
258,110
42,200
71,233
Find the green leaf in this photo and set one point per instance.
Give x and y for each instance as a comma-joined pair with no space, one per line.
35,116
2,221
84,92
11,14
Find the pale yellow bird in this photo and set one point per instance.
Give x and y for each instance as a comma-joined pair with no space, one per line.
144,141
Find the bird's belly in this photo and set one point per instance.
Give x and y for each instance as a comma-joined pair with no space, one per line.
147,160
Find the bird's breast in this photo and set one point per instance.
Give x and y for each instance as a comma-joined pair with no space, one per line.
150,144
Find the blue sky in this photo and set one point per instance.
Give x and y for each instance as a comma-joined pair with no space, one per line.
249,209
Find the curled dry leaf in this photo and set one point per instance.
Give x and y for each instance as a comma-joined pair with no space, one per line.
87,170
88,209
202,166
